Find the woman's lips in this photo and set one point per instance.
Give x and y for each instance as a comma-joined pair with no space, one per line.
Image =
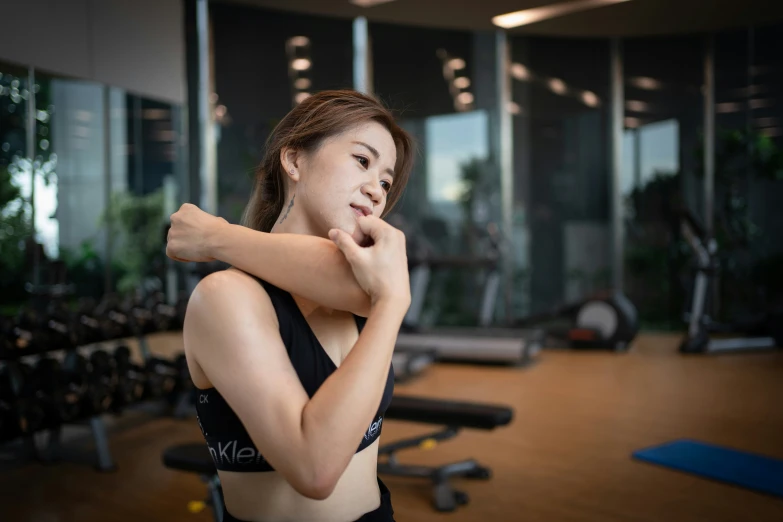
360,210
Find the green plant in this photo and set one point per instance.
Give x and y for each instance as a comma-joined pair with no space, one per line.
15,230
136,226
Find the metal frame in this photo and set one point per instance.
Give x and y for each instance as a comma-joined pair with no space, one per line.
617,124
362,76
709,134
506,160
445,497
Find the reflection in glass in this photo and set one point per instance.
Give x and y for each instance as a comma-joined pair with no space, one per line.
661,171
560,88
16,252
748,215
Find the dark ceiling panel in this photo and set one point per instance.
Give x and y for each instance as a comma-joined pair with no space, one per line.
633,18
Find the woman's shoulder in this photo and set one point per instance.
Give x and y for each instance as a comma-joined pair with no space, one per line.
227,290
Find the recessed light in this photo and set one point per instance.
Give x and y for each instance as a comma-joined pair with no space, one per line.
537,14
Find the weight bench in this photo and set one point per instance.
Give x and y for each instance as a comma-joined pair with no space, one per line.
454,415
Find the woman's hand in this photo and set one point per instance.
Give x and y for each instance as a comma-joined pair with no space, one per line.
191,232
382,268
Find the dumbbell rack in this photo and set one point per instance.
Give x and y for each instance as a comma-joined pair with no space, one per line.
52,450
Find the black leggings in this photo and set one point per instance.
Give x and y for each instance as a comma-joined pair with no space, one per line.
384,513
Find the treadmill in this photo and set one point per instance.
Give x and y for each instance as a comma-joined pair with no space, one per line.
480,345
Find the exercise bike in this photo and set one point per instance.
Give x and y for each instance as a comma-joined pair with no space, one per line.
769,331
605,321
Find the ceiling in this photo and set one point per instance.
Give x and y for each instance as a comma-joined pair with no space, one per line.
633,18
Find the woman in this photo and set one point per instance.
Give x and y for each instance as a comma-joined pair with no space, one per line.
292,382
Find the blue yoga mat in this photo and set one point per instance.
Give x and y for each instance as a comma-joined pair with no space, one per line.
748,470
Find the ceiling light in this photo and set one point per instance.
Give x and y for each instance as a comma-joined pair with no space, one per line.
633,123
519,71
462,82
723,108
557,86
514,108
766,122
369,3
301,96
300,64
456,63
761,103
465,98
537,14
302,83
299,41
590,99
646,83
637,106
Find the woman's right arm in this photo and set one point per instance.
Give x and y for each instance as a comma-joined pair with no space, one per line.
232,333
308,266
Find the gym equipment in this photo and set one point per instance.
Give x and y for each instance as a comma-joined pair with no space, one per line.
602,322
162,378
96,394
481,344
700,325
455,415
409,364
165,317
131,379
739,468
115,322
60,395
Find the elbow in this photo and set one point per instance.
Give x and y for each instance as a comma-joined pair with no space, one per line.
318,486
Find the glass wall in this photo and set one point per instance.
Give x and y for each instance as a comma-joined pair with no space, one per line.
16,254
264,62
442,86
86,204
560,104
748,173
662,171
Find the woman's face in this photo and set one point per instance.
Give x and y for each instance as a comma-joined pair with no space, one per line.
348,176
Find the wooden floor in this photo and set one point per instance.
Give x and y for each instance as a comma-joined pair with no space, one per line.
566,456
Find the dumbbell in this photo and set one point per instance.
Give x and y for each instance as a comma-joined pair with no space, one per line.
97,397
85,327
184,382
9,424
19,336
61,397
104,375
131,379
48,333
114,320
162,378
27,414
164,315
140,317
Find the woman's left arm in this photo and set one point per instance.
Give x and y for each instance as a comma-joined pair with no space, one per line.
308,266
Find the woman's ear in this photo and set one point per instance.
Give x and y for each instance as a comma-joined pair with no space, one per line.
290,159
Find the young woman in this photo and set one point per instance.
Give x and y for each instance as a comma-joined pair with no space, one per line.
293,381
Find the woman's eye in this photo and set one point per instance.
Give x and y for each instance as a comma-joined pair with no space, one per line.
386,185
363,161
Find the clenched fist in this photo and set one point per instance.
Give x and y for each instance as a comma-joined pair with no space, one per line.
191,232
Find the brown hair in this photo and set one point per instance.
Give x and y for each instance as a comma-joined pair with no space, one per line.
320,116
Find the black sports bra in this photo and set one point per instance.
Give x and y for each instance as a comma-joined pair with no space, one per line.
229,443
